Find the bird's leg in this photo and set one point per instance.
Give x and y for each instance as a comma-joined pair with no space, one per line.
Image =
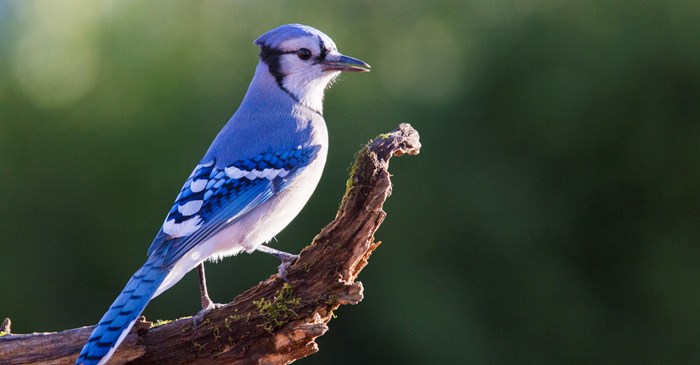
287,259
207,303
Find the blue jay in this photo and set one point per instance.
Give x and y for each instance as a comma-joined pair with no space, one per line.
256,176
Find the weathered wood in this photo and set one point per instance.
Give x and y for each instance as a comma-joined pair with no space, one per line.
273,322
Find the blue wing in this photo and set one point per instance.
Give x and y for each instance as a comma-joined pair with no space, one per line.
214,197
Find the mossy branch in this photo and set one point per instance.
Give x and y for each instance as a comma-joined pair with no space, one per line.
273,322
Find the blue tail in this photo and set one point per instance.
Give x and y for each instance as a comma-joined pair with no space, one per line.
120,317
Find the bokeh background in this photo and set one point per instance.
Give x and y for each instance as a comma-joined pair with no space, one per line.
552,216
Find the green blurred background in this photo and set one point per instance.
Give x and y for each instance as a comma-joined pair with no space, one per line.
552,216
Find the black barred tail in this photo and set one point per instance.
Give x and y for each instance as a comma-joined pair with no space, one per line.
120,317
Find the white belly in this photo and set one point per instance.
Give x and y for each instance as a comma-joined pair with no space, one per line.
255,228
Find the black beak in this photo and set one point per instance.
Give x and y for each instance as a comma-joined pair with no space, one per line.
345,64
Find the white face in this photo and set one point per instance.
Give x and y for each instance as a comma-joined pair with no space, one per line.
304,75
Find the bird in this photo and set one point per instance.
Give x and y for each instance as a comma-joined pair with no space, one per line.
256,176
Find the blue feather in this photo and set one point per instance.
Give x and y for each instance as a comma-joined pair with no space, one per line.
229,198
122,314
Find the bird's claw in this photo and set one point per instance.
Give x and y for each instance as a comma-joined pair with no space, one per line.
286,263
288,259
198,318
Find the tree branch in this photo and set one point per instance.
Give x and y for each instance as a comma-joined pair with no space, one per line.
273,322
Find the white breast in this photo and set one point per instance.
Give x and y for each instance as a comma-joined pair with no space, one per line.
261,224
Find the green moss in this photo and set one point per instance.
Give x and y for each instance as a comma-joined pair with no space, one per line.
161,322
216,332
241,337
228,321
353,169
3,333
198,346
383,136
351,177
246,317
277,311
188,326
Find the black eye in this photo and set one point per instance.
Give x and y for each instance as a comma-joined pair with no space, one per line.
304,54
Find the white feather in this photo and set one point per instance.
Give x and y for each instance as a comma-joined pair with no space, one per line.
190,208
234,172
182,229
252,175
198,185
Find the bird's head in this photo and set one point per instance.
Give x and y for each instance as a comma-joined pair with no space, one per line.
304,61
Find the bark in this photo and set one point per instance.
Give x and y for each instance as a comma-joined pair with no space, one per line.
273,322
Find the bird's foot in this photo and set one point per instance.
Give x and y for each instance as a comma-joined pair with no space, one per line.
198,318
286,263
288,259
